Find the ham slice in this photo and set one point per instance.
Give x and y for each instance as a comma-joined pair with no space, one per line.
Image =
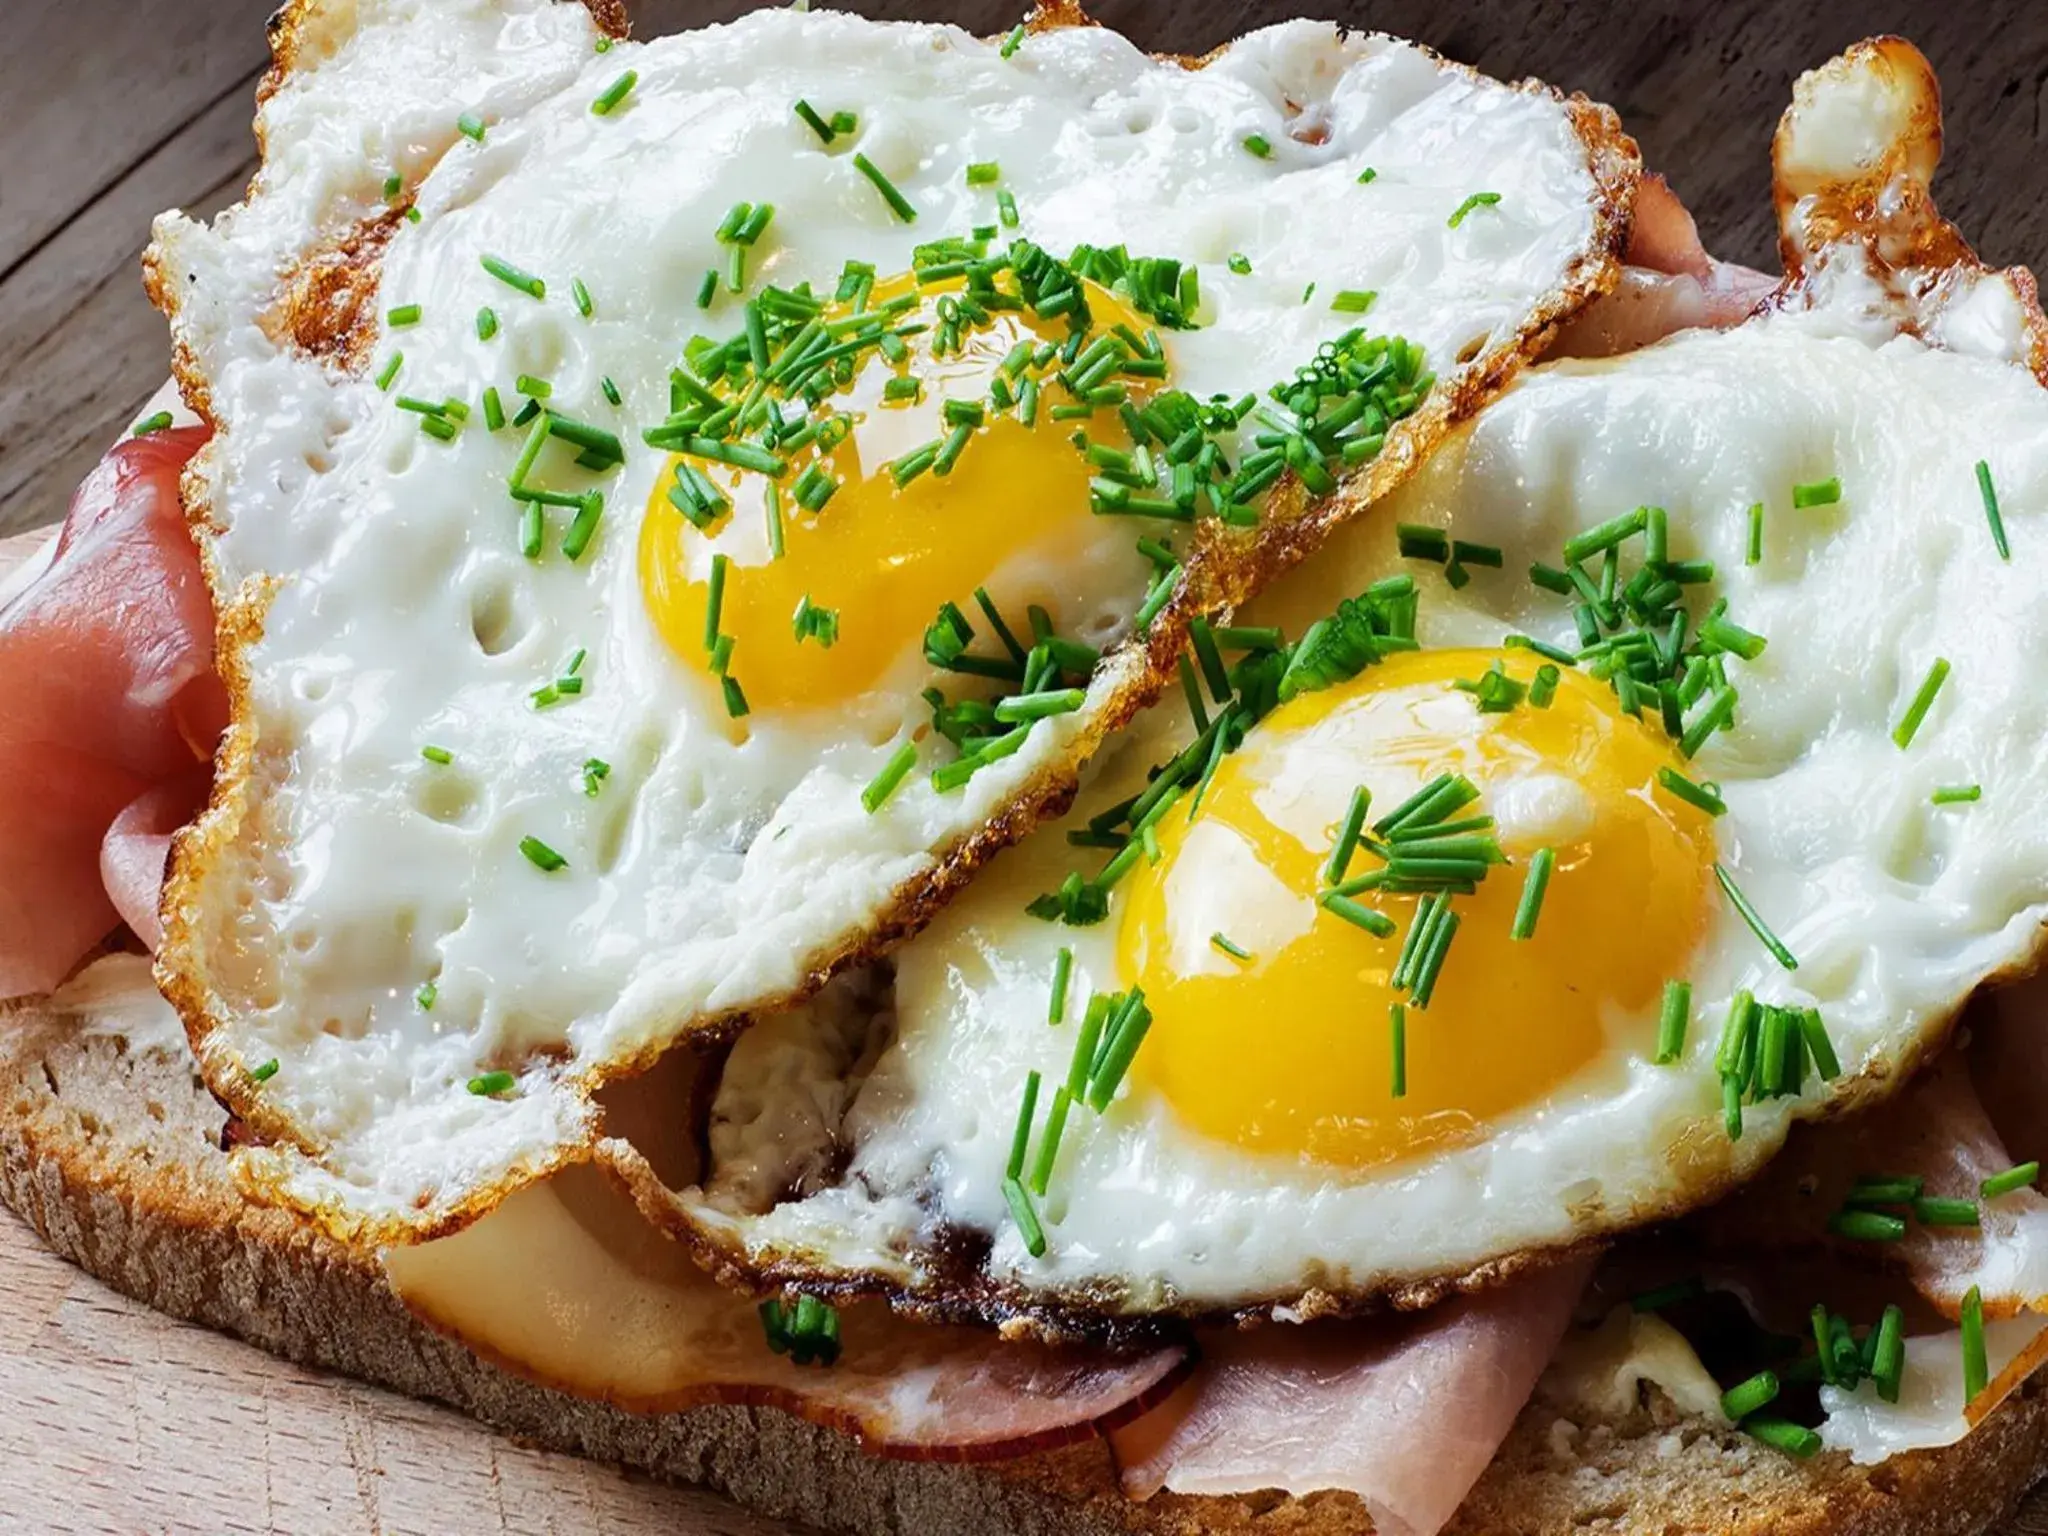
1937,1130
1669,284
111,698
615,1310
1406,1413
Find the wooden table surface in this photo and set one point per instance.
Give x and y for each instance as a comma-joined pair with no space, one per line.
113,1418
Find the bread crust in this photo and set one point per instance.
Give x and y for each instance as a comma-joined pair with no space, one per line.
109,1149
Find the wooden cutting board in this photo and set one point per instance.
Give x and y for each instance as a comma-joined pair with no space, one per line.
116,1419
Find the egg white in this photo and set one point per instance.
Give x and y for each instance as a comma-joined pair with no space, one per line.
396,610
1895,908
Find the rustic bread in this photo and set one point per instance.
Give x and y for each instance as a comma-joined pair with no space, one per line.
108,1148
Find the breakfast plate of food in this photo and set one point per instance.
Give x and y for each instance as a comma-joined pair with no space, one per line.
990,782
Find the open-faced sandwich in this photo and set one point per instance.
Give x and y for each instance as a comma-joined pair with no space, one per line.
991,784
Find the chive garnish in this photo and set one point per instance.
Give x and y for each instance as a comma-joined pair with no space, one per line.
1749,915
583,527
470,126
1945,1211
1817,493
1476,200
1259,145
1755,552
1347,835
2017,1177
595,771
1885,1189
1013,41
809,116
1062,970
893,773
1909,725
1020,1138
1690,792
488,1085
541,856
1239,263
439,755
1672,1021
1222,944
984,173
486,323
393,185
264,1072
1397,1040
581,295
1860,1226
403,315
514,277
1989,493
426,996
1783,1435
898,203
1740,1401
390,370
1026,1217
714,601
160,421
1049,1143
1534,884
1888,1356
1353,301
1976,1368
1378,924
1958,794
614,94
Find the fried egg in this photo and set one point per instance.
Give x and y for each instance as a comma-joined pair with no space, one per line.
1716,738
617,444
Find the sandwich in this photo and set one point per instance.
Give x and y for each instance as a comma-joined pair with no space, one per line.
1372,873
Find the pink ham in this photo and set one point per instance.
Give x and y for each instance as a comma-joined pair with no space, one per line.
111,696
1669,284
1404,1413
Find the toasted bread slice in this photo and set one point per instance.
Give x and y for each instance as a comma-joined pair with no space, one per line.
109,1148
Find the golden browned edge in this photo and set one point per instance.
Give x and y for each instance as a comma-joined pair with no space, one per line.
1894,200
1858,212
325,308
106,1150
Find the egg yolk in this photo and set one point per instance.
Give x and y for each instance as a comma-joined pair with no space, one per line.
1290,1050
879,556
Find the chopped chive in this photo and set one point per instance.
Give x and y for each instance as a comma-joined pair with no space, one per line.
1039,706
1062,971
1476,200
1378,924
1239,263
893,773
494,410
1989,493
513,277
1757,925
439,755
404,314
426,996
158,422
1049,1143
1743,1399
1754,554
470,126
390,370
486,323
1976,1369
1690,792
1783,1435
541,856
1602,537
714,601
1543,688
615,93
1222,944
1860,1226
1672,1022
1367,176
595,771
735,697
1020,1138
1533,887
583,527
1006,208
1909,724
1026,1217
1818,1045
1888,1358
1885,1189
808,114
1353,301
898,203
1958,794
1347,836
984,173
1945,1211
707,290
1012,41
393,185
581,295
264,1072
532,526
844,122
1259,145
2017,1177
1397,1041
488,1085
1817,493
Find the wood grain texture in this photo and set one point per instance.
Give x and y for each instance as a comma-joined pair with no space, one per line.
113,1418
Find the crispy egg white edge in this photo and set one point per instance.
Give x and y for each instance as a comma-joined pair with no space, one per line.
393,1115
1830,832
